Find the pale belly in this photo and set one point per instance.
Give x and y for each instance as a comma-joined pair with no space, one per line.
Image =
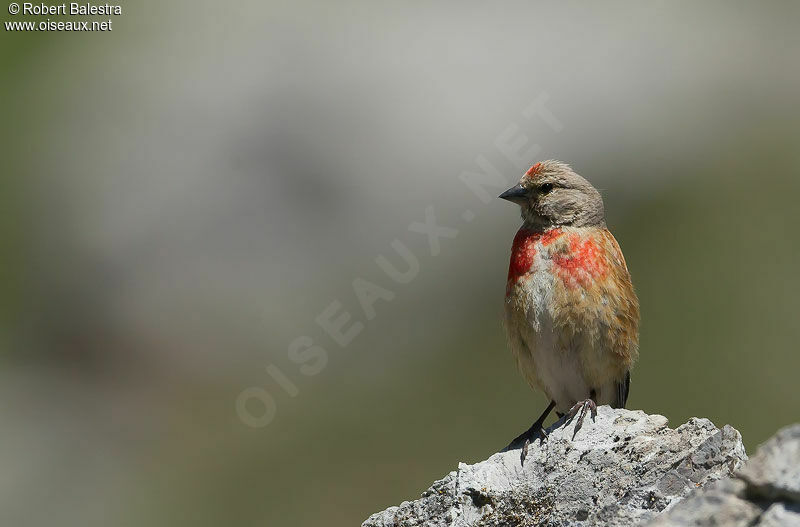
549,358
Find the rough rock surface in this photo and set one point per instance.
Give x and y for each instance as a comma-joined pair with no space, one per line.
622,469
766,492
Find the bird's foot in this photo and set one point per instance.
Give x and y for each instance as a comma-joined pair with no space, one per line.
580,409
536,431
524,440
542,435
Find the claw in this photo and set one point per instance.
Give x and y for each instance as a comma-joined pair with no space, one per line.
536,431
544,435
531,435
583,407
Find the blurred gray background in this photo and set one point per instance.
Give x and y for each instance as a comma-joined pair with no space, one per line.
183,196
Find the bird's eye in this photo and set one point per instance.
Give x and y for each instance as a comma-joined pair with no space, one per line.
545,188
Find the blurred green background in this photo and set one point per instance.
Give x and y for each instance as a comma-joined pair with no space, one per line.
184,195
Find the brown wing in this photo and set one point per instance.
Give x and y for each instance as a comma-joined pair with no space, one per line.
614,250
623,300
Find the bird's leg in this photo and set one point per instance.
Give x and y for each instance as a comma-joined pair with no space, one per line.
582,407
536,431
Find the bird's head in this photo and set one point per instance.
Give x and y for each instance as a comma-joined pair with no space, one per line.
552,194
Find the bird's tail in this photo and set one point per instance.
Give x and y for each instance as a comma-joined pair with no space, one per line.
623,387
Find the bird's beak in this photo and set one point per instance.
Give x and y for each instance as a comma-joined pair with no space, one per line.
516,194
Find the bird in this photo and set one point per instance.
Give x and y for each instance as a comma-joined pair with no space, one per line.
571,312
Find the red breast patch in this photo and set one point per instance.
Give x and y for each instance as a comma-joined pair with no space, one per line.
523,250
583,262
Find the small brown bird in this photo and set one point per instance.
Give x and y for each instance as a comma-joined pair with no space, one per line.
571,314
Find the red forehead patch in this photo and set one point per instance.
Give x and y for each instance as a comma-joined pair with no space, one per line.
534,169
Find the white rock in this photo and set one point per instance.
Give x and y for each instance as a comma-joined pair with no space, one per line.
622,469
